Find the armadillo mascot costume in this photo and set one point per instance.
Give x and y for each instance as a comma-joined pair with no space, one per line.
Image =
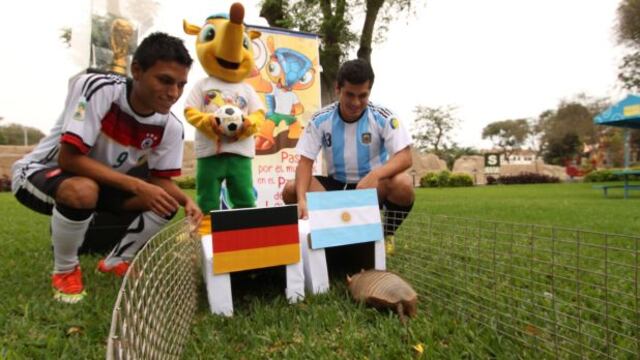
224,49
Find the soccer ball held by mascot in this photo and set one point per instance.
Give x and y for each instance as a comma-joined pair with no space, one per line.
229,121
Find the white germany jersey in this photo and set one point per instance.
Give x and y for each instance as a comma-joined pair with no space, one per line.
99,122
352,150
208,95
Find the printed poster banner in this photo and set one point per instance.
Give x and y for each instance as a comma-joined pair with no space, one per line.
287,78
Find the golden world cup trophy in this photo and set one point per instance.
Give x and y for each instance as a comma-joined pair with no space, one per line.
121,32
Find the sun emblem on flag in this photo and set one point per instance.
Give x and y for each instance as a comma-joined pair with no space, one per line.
339,218
148,141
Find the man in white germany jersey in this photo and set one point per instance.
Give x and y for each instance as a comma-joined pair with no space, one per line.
110,127
364,147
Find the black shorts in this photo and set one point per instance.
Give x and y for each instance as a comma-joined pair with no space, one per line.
331,184
109,223
39,190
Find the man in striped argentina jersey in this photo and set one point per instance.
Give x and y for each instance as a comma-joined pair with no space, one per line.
364,147
110,127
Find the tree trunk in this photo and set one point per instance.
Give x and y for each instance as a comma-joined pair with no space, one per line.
366,37
439,135
327,90
333,24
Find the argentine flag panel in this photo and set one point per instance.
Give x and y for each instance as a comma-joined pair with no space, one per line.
339,218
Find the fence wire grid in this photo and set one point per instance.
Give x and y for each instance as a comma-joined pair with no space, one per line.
556,292
158,297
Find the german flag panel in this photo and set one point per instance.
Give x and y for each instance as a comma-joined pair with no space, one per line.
245,239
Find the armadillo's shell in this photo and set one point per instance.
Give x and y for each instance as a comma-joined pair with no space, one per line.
381,287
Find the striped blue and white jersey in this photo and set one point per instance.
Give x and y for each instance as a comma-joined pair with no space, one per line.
352,150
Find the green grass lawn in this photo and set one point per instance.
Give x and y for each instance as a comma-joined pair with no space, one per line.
573,205
33,325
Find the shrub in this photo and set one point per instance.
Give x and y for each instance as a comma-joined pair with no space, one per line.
445,179
600,176
429,180
606,175
491,180
187,182
460,180
527,178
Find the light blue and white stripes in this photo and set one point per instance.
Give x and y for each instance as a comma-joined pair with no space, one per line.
339,218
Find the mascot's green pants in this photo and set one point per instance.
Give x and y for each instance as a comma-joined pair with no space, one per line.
276,118
212,170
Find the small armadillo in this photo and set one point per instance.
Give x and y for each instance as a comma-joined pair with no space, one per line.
383,289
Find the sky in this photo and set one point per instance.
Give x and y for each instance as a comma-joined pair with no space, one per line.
493,60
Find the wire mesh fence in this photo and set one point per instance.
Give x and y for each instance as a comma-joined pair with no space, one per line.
557,292
553,292
158,298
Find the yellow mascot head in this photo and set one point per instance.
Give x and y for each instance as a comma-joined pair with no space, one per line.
223,46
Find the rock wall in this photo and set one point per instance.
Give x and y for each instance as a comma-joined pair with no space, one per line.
189,159
472,165
424,163
9,154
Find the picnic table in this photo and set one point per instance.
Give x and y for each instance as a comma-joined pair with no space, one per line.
626,174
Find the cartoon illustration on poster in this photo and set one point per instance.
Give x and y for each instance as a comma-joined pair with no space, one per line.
287,77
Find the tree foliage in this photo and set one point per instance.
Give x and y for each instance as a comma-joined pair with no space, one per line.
629,74
566,129
628,33
628,26
432,130
613,142
332,21
536,131
65,36
562,149
432,127
14,134
450,153
508,135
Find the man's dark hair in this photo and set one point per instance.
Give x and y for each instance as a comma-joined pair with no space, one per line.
161,47
356,72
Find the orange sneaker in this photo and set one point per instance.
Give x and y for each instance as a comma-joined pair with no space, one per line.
68,286
119,269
